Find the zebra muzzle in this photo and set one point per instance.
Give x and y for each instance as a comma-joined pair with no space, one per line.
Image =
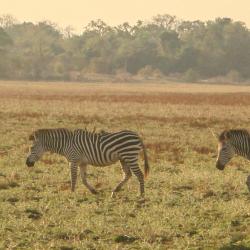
219,166
30,163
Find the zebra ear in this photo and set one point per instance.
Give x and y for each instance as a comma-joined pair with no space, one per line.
226,135
216,135
32,137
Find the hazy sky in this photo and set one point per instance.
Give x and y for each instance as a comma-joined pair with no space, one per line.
79,12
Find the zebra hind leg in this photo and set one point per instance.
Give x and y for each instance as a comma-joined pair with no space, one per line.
248,182
138,173
83,169
73,170
126,175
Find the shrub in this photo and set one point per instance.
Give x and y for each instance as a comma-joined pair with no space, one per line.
191,76
149,72
234,76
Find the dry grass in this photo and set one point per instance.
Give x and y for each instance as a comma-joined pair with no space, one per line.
190,205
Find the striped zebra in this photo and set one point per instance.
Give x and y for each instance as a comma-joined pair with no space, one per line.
231,142
82,147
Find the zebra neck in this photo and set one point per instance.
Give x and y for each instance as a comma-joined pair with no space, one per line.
242,149
54,148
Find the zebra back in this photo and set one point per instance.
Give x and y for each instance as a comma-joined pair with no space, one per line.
50,133
233,133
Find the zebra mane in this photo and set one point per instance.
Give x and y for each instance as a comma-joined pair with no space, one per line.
101,132
227,134
85,130
43,132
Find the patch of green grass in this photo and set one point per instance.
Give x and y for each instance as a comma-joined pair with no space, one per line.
125,239
188,204
33,213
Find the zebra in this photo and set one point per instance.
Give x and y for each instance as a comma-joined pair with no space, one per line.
82,147
231,142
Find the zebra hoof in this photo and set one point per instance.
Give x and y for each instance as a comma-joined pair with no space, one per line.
112,194
93,191
141,200
248,182
142,195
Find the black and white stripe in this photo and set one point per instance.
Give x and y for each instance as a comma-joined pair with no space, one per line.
82,147
231,142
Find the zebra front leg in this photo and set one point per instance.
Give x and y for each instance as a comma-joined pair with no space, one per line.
83,169
138,173
248,182
73,170
126,175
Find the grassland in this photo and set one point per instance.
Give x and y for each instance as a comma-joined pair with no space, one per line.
189,204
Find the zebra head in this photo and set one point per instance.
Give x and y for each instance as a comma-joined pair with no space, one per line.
36,151
225,150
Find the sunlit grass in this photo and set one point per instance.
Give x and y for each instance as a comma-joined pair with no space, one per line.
189,204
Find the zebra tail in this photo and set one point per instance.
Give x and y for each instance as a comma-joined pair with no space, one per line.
146,165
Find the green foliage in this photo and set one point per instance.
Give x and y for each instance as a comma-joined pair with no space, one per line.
191,76
149,72
43,51
234,76
4,39
5,43
146,72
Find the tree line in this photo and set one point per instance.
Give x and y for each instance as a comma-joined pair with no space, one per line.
163,46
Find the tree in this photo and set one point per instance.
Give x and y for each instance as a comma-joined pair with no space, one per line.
165,44
7,21
166,22
36,46
5,43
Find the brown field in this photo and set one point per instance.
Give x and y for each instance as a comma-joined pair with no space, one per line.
189,204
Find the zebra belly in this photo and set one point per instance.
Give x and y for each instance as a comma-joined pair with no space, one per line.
103,163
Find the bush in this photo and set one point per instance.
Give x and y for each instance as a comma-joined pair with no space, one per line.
149,72
122,76
191,76
233,76
99,66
